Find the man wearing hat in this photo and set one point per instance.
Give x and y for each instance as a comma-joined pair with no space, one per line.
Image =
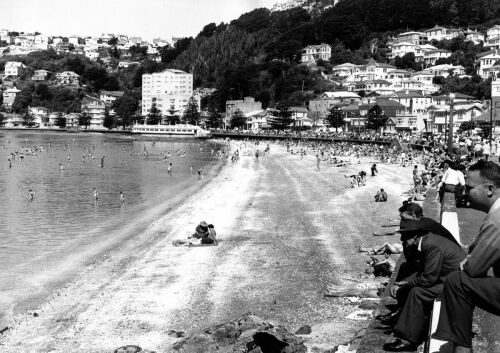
438,256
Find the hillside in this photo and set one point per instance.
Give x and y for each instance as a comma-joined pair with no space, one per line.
257,54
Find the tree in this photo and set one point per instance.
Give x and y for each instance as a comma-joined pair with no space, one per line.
154,115
335,118
125,108
191,114
172,117
60,120
28,119
485,128
238,119
214,119
283,117
109,121
23,100
85,118
376,118
113,41
467,126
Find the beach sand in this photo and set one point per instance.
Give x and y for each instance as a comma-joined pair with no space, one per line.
286,232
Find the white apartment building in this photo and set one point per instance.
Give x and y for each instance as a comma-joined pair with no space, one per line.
311,53
4,32
475,37
431,56
493,37
169,88
73,40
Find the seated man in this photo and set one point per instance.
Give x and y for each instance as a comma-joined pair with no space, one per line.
209,238
471,287
439,257
381,196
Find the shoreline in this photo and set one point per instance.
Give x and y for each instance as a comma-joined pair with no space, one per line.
270,241
71,264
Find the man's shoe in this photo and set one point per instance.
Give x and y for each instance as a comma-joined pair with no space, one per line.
387,316
400,346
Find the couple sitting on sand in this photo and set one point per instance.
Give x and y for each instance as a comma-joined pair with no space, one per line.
204,235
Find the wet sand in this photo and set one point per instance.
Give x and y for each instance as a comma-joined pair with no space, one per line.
286,232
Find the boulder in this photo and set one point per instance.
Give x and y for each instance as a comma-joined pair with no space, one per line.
249,334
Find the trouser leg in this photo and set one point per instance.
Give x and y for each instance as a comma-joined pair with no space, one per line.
413,322
461,294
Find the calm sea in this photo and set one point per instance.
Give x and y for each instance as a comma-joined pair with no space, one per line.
50,236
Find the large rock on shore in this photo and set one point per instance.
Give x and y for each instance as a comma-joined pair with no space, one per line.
250,334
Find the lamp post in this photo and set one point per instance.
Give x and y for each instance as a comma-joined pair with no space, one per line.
450,128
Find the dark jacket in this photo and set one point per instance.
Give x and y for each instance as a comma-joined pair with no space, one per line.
439,257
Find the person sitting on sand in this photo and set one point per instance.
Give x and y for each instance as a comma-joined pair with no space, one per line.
381,196
201,231
204,234
383,268
395,248
210,236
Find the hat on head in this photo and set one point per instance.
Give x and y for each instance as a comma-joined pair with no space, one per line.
408,226
203,224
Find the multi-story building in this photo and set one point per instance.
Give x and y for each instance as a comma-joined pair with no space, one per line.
431,56
311,53
169,89
493,37
41,116
416,38
439,33
9,96
372,70
247,105
14,68
473,36
74,40
68,78
96,109
40,75
487,60
4,32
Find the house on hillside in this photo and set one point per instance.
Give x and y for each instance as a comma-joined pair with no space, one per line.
487,60
343,70
9,95
431,56
319,107
493,37
108,97
372,70
445,70
311,53
67,78
72,120
14,68
473,36
439,33
416,38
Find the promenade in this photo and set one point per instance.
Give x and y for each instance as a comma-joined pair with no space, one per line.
286,230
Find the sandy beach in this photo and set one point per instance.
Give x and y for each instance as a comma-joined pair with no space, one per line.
286,230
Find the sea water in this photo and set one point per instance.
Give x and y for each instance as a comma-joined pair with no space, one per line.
51,232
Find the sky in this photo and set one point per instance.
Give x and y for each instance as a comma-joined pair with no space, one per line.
145,18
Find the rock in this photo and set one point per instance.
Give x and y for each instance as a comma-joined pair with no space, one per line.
128,349
248,334
174,333
304,330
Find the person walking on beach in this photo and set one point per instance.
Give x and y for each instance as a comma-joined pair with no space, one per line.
374,169
122,197
31,195
102,162
200,173
257,155
169,170
96,195
317,162
61,167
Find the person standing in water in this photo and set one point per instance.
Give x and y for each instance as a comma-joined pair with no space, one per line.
96,195
122,197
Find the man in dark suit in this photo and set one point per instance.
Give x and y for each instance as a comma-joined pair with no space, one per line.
439,257
471,287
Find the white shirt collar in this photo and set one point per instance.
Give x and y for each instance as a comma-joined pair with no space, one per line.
495,206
